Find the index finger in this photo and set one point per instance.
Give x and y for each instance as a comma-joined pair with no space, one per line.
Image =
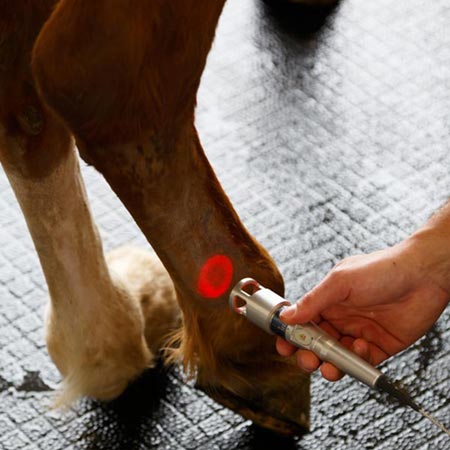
333,289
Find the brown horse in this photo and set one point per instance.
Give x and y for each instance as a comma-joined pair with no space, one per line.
120,79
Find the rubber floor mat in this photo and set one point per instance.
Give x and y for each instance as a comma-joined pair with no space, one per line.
331,136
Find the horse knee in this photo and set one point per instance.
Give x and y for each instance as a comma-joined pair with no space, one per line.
116,73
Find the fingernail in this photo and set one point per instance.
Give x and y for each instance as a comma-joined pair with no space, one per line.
288,312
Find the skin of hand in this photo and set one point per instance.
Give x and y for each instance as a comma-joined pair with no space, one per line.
380,303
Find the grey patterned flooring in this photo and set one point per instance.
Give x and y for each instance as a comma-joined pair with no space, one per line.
329,144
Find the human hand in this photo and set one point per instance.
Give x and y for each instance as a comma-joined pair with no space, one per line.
376,304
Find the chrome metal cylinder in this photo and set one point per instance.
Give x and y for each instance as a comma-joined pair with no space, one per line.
258,304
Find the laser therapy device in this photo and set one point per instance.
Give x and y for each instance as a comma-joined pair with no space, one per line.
262,307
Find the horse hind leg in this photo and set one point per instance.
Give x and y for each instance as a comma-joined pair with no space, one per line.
97,316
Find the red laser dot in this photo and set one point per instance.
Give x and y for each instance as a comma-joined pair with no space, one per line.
215,276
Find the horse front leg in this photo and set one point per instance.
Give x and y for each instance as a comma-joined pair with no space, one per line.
125,83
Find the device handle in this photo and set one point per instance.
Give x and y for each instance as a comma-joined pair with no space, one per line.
311,337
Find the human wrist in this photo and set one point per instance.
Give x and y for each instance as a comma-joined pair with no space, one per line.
428,253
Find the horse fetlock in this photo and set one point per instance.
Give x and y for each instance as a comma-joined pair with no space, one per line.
99,348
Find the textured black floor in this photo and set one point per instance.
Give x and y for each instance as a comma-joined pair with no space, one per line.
329,143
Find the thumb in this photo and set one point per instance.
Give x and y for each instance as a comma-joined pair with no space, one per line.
330,291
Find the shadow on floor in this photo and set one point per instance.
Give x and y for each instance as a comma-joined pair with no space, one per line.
119,424
297,19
